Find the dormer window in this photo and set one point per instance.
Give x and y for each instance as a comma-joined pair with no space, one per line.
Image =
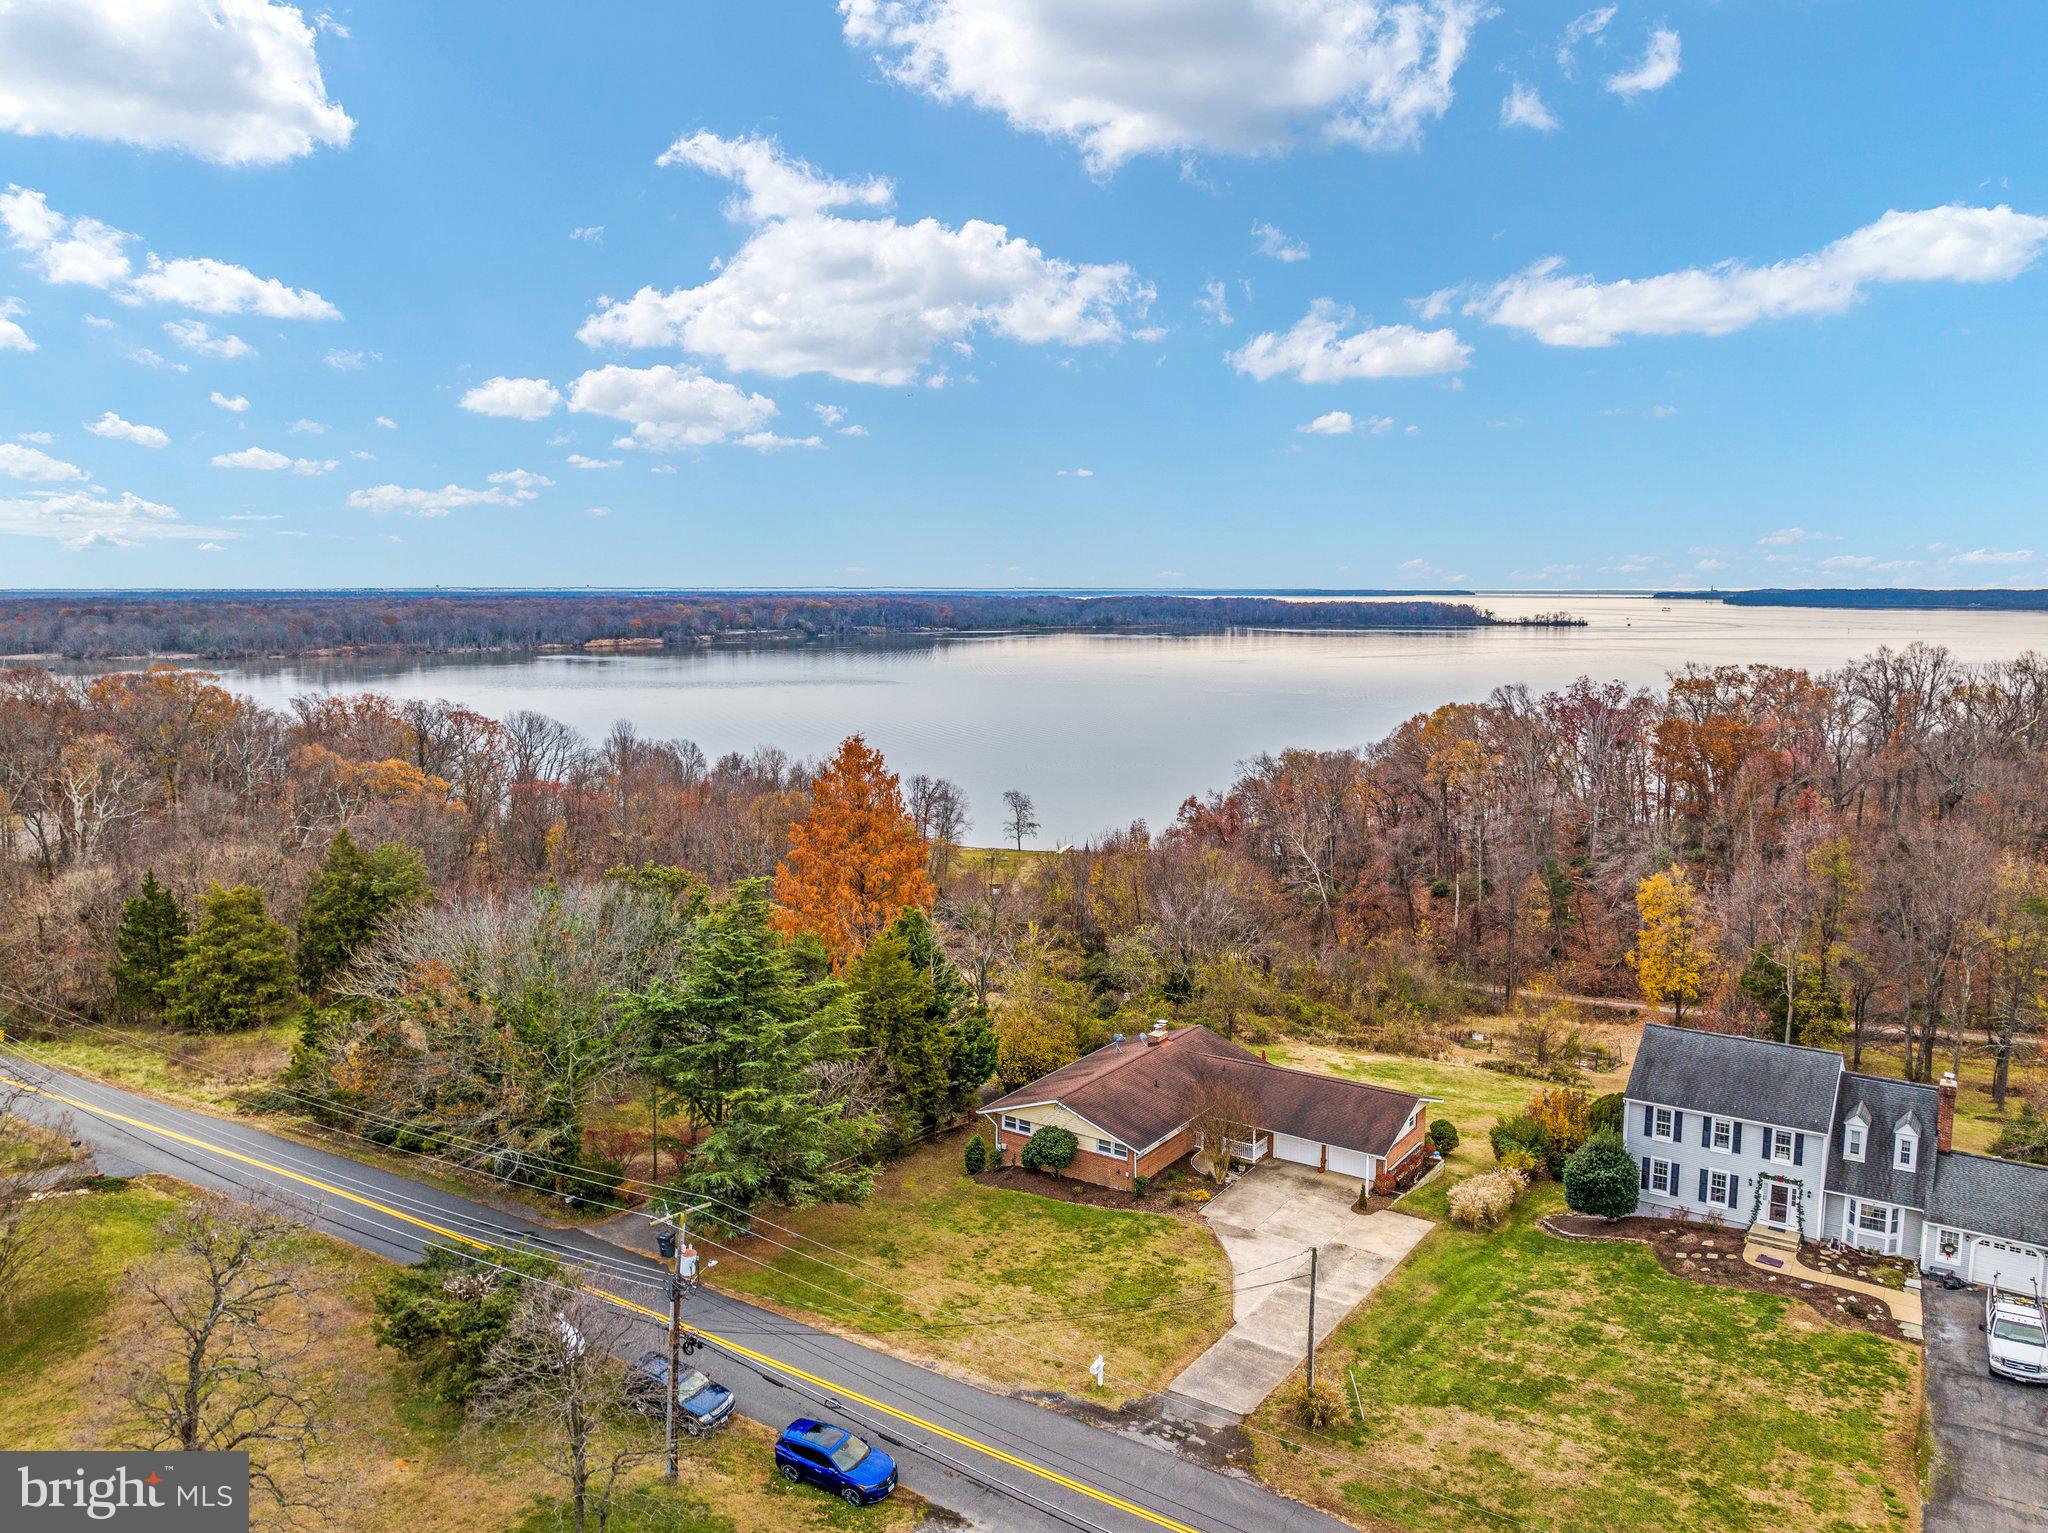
1905,1149
1853,1135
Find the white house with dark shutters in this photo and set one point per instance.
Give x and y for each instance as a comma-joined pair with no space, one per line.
1789,1142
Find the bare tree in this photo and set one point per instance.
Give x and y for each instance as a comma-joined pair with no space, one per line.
939,809
556,1369
1224,1111
219,1355
1021,820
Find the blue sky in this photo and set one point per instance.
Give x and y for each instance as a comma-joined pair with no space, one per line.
1008,292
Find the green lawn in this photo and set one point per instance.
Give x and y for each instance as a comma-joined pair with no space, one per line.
936,1248
394,1457
1579,1386
211,1070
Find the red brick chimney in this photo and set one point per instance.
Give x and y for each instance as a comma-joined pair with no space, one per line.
1945,1116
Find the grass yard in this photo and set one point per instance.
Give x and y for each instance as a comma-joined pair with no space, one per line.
944,1249
1579,1385
207,1070
394,1456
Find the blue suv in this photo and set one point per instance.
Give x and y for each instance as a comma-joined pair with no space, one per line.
834,1458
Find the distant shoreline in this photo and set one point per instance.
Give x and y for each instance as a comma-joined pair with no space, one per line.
1880,599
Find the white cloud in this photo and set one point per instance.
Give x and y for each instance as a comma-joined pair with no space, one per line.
88,518
768,441
829,415
578,460
1992,556
85,251
1076,473
1946,244
526,399
348,361
589,234
1315,350
235,82
670,407
597,511
507,488
36,466
1215,302
1523,107
274,462
1657,68
1585,27
1785,537
12,336
116,429
1129,77
151,358
772,183
304,427
219,287
193,335
1269,241
386,422
1343,423
869,301
39,438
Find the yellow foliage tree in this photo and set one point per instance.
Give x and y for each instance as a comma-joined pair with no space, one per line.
1673,960
855,861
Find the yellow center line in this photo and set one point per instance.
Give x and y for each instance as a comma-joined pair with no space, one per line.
1079,1487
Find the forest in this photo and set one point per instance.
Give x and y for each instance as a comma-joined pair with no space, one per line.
222,625
1869,598
485,929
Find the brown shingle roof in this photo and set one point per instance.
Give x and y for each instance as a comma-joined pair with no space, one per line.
1139,1093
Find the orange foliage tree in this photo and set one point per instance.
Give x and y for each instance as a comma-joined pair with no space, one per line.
855,861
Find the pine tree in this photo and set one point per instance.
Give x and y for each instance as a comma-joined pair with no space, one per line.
237,965
902,1022
855,861
147,947
351,896
743,1039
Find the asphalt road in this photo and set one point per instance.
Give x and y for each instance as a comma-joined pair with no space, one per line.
1990,1434
997,1461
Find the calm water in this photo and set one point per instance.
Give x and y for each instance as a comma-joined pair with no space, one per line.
1100,730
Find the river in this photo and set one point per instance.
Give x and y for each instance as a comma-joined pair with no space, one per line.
1103,730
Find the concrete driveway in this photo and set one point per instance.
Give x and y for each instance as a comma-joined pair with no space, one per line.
1267,1221
1990,1435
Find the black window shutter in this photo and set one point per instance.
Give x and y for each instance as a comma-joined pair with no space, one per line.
1646,1173
1703,1184
1738,1138
1706,1132
1678,1128
1734,1182
1798,1149
1649,1122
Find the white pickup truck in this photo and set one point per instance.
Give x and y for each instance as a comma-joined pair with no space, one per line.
2016,1336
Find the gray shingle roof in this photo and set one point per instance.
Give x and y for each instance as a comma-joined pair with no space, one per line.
2007,1199
1736,1077
1884,1104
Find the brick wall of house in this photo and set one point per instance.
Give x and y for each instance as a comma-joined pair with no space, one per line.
1102,1170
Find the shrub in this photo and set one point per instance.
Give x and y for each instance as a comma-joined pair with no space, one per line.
1051,1148
1604,1116
1319,1408
445,1313
1600,1178
1443,1136
1140,1185
1484,1202
1563,1115
976,1154
1522,1133
1522,1162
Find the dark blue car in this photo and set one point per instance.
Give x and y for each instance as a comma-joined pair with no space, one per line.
701,1405
833,1457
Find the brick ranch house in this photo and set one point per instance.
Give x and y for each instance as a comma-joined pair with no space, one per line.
1133,1106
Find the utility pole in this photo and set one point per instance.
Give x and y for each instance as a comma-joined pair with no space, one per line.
674,1243
1312,1254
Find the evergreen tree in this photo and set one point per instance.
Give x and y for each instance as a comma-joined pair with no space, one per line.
147,947
743,1039
353,894
237,965
971,1037
902,1022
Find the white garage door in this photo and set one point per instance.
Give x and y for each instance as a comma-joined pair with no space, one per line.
2010,1265
1300,1152
1352,1163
